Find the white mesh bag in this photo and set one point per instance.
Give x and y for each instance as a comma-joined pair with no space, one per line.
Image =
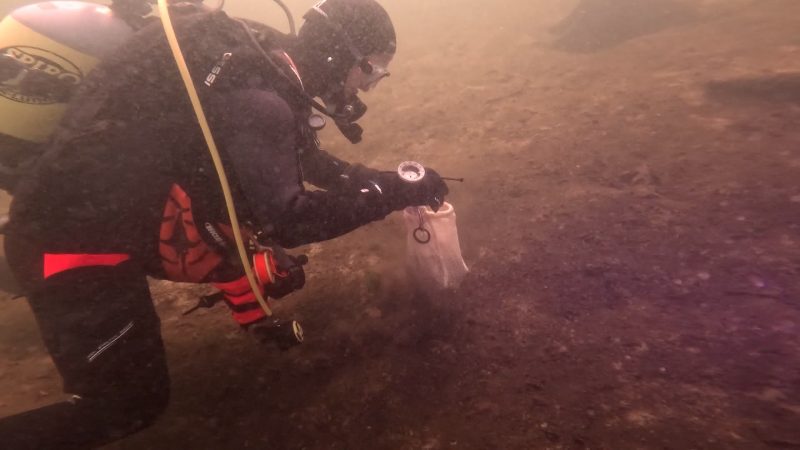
433,252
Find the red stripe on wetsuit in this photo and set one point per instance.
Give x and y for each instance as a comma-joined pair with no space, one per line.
245,308
61,262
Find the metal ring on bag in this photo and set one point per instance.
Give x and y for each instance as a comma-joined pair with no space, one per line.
422,232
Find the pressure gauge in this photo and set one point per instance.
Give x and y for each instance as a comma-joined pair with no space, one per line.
411,171
316,122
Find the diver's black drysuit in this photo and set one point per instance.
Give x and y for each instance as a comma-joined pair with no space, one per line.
124,191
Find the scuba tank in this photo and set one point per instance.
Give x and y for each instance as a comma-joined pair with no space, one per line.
46,50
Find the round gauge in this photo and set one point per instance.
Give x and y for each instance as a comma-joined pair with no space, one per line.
411,171
316,122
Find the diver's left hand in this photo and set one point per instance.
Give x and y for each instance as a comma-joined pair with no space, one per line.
429,191
434,188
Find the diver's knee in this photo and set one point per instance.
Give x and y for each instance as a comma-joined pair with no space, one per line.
146,407
128,411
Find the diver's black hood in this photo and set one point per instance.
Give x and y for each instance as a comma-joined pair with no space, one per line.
322,51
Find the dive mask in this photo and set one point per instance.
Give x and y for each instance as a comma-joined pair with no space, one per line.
373,74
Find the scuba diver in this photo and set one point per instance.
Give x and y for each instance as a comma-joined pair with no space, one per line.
126,189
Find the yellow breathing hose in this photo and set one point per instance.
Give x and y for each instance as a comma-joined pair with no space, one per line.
212,148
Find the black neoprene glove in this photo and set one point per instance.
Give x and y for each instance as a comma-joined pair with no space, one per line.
399,194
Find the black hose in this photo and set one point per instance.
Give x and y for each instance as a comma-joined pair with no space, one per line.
296,90
288,16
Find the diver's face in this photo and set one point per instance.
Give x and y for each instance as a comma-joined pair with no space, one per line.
359,80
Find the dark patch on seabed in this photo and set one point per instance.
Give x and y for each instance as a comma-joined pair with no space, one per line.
596,25
779,88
